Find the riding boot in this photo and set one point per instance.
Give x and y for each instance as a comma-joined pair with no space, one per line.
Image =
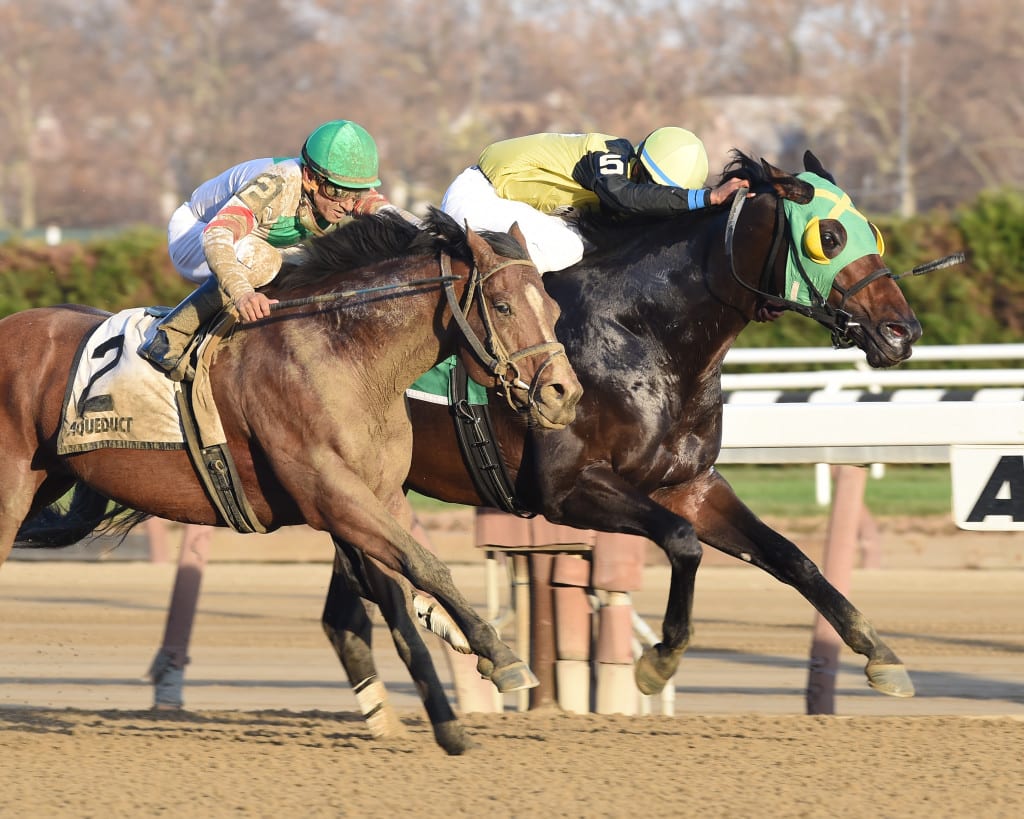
168,340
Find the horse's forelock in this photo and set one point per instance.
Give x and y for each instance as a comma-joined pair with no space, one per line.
504,245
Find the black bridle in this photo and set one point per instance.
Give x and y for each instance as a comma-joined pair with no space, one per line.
836,319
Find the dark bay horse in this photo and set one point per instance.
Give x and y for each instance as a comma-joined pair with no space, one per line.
647,319
311,401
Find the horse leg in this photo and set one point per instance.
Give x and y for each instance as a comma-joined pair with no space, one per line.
605,501
348,627
19,486
369,527
167,671
394,597
495,660
724,522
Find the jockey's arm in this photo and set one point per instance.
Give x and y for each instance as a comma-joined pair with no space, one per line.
241,260
375,202
606,173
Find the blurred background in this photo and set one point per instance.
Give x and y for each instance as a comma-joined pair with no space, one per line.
112,111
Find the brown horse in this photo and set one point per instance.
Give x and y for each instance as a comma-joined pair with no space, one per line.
647,319
311,400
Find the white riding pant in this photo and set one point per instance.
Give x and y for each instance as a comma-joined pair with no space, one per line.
553,242
185,245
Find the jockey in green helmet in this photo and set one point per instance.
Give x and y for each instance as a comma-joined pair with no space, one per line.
233,234
343,154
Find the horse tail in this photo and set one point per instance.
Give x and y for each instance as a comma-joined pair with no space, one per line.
68,521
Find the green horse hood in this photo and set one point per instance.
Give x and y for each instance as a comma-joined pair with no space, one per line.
807,269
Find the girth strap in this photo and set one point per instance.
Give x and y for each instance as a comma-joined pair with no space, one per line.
216,471
475,434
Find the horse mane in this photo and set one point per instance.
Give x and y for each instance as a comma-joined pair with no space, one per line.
605,230
741,166
367,241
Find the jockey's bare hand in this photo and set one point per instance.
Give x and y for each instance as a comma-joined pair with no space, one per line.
723,193
254,306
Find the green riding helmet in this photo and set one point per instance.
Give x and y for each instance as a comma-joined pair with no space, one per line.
674,156
343,153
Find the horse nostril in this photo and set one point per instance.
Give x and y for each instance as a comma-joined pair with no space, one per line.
558,394
902,332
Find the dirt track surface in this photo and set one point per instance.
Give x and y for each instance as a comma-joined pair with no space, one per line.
274,764
272,727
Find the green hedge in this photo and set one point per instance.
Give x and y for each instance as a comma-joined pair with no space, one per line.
981,301
130,269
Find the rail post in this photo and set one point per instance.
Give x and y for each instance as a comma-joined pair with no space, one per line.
837,566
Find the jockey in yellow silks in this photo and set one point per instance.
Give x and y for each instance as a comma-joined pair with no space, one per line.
541,181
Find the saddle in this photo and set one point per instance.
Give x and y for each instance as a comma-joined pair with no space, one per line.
116,399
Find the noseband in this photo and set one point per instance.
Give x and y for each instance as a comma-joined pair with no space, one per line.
492,352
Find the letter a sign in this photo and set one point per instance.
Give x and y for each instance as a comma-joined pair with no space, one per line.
988,487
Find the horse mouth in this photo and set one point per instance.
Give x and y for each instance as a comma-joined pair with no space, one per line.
547,417
538,419
888,343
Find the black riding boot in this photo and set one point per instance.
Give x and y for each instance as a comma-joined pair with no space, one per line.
168,339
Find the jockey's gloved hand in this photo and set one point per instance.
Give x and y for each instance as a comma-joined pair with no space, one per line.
587,169
370,202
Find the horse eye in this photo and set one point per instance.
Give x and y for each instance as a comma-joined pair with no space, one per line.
503,307
833,237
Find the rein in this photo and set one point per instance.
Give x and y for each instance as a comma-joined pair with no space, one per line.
492,353
338,295
837,320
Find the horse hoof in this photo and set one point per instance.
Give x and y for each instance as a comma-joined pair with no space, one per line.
514,677
890,679
451,737
653,670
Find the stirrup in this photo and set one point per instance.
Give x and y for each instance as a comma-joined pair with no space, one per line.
157,352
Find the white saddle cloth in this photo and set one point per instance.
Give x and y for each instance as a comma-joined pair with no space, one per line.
115,398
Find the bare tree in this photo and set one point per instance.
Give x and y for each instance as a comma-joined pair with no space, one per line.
113,111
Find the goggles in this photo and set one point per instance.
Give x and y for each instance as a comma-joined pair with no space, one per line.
339,193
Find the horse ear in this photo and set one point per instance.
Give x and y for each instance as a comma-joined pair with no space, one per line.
483,253
517,234
788,186
812,164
